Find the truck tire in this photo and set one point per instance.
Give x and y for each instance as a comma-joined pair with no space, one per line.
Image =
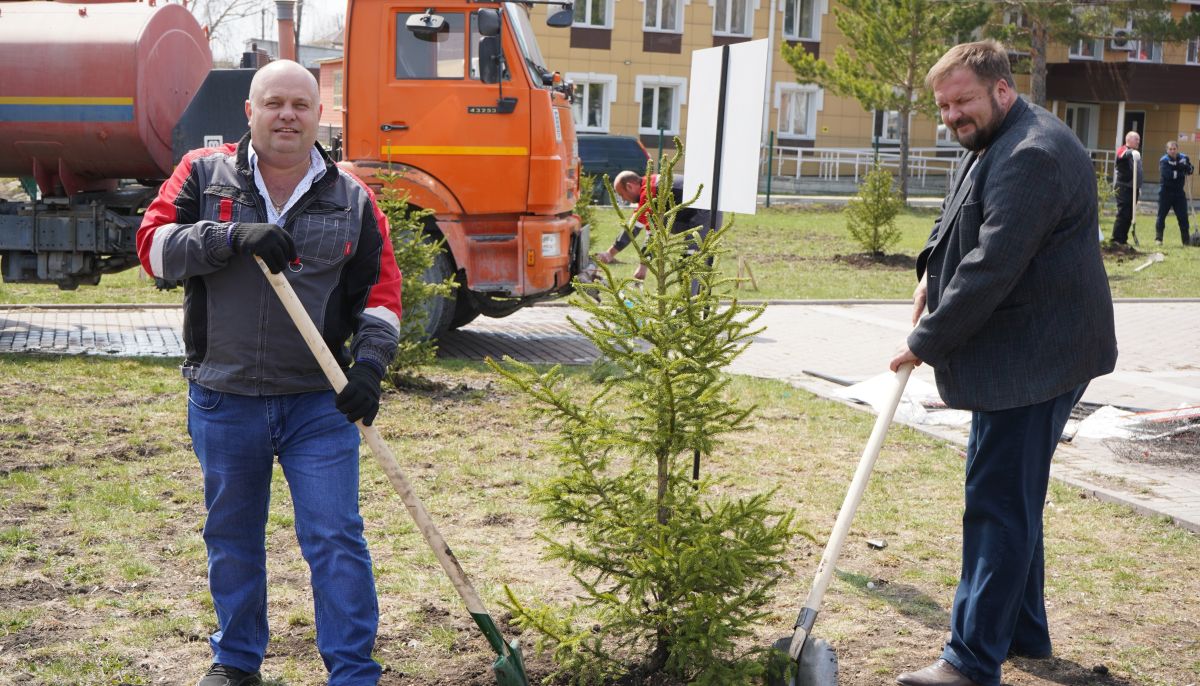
440,309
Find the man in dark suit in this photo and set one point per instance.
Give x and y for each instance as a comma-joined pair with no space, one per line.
1019,320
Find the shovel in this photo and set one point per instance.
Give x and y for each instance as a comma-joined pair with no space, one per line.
815,661
1156,257
1137,159
509,668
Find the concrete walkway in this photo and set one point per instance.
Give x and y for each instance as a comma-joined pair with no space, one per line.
1158,368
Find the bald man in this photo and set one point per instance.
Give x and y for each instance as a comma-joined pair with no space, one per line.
1129,176
255,391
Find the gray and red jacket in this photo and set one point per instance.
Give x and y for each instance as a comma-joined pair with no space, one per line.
237,336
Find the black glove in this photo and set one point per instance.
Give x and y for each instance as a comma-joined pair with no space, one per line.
270,242
360,398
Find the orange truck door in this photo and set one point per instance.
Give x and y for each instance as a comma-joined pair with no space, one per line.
436,115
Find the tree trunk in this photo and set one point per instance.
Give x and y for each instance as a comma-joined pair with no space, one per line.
1037,62
904,117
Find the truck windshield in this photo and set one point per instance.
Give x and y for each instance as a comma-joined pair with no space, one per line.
530,52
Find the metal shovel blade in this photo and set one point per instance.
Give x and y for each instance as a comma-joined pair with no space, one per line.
510,669
817,665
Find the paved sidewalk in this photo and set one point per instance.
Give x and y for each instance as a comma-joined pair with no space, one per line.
1158,368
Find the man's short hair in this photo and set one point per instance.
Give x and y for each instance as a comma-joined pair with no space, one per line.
987,59
626,177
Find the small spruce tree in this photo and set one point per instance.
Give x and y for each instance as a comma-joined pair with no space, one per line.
583,206
871,215
415,251
674,572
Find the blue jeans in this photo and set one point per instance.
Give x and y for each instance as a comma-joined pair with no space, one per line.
999,604
236,439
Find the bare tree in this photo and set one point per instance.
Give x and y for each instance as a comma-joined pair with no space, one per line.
218,16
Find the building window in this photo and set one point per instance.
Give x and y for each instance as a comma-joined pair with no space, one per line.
802,19
660,99
1144,51
1087,49
1193,53
596,14
797,106
594,95
662,15
887,126
732,18
1084,120
337,88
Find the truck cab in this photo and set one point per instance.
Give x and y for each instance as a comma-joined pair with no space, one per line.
456,98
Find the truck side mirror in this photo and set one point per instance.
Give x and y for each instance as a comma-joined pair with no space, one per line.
427,25
562,18
491,57
489,22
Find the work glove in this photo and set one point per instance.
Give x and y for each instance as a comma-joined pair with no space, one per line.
270,242
360,398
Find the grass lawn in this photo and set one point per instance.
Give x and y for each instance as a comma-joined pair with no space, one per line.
102,566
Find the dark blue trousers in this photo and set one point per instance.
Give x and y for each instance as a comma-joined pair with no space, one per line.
1168,201
999,603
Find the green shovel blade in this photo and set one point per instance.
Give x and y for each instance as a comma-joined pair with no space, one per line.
509,668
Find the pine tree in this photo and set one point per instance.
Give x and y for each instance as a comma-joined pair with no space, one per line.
415,250
673,573
890,46
871,215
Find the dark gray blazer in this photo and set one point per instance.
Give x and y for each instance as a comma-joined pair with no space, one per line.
1019,305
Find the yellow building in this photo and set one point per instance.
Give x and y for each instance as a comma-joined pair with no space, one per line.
631,61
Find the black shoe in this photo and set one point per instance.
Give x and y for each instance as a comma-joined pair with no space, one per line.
224,675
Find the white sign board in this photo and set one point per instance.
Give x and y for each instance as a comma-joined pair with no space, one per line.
744,96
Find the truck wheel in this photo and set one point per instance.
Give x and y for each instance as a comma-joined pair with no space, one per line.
465,311
440,309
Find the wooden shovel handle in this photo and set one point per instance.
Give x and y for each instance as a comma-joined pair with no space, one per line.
383,454
837,538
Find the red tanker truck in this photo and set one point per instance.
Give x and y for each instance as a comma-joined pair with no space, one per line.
109,96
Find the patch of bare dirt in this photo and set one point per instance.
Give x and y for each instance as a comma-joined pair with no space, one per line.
866,260
1121,253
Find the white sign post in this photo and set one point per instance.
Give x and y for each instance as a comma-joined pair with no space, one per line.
725,111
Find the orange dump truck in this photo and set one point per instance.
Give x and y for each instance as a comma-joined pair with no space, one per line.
456,98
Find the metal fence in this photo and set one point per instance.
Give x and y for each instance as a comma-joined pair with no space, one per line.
928,168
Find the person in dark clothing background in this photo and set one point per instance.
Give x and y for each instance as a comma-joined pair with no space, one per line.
1173,171
1128,160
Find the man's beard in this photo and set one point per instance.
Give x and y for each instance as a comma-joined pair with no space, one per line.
983,135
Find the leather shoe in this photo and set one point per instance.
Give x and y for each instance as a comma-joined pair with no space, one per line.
940,673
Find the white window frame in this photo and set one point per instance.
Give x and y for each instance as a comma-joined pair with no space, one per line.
1075,52
1135,46
1093,133
609,82
1193,52
337,88
816,103
820,8
679,83
659,29
751,7
608,14
886,114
